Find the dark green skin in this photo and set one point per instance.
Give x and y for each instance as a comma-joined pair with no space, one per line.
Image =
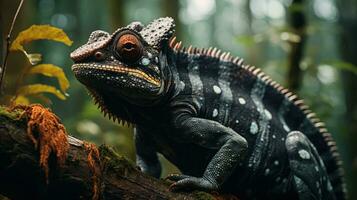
227,126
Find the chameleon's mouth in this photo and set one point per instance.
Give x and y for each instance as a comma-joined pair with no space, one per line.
119,69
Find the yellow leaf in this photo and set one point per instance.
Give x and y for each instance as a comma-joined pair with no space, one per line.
39,88
22,100
39,32
52,71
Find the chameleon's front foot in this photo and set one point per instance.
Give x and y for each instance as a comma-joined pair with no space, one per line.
188,183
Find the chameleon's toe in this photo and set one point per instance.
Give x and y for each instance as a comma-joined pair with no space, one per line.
193,183
176,177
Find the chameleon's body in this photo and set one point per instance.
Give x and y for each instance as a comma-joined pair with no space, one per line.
226,125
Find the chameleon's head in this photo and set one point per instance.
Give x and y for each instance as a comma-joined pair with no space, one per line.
129,63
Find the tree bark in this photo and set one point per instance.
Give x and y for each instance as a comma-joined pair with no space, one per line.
22,178
117,14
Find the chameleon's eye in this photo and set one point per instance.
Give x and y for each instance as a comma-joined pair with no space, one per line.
129,47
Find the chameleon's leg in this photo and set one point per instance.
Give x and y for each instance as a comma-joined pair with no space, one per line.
308,171
146,155
231,148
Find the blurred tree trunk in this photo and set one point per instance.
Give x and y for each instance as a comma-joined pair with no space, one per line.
171,8
252,55
2,37
348,44
249,17
117,13
297,23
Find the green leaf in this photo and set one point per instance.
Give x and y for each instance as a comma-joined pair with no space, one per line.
39,88
245,40
51,70
346,66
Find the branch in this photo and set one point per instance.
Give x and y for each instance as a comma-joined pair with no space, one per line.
6,50
21,177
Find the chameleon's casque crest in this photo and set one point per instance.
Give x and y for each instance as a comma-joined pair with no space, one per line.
155,33
158,31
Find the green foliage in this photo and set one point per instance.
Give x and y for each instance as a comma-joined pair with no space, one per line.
345,66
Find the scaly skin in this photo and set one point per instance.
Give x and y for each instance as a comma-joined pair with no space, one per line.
226,125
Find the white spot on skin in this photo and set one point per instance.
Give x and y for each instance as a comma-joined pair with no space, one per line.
182,85
273,136
267,171
215,113
316,168
254,128
237,121
276,162
145,61
268,114
217,89
242,100
304,154
329,186
286,128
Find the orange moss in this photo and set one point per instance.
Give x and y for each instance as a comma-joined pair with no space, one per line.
93,155
46,132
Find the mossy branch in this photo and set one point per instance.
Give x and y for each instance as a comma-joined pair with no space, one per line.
88,172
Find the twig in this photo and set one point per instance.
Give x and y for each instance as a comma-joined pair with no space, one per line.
8,42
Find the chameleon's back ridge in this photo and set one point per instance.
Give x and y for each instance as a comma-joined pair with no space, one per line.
226,125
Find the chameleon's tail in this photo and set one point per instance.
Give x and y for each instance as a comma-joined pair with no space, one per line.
327,149
317,133
304,120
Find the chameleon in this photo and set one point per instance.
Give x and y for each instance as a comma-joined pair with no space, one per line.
225,124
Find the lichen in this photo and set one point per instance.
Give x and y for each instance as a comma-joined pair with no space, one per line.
93,157
45,131
114,161
6,112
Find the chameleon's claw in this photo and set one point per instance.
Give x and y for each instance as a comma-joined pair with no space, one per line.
189,183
